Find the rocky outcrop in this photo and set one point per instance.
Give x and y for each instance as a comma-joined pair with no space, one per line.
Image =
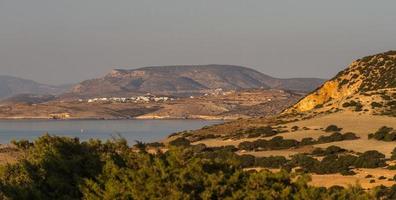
371,73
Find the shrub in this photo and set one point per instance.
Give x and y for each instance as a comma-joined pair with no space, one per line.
22,144
350,136
275,143
271,162
376,105
332,128
331,150
65,168
384,134
294,128
370,159
393,157
181,141
247,160
155,144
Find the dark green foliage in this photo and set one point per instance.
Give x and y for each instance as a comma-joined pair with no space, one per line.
141,146
273,144
265,131
319,106
65,168
307,163
384,134
382,192
278,142
333,162
275,162
332,128
54,169
155,144
331,150
334,137
247,161
307,141
370,159
22,144
393,157
294,128
180,142
358,106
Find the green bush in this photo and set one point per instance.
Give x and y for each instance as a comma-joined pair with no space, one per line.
181,141
384,134
370,159
332,128
331,150
275,162
65,168
375,105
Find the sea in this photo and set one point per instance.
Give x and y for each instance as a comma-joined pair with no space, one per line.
131,130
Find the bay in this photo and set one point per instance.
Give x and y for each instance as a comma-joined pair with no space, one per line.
131,130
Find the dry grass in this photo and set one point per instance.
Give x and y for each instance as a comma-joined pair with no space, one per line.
329,180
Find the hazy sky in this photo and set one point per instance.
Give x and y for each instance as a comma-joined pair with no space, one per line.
63,41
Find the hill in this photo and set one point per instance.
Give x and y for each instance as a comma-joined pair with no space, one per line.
185,80
367,85
226,105
10,86
332,133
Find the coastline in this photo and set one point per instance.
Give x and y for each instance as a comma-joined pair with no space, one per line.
205,118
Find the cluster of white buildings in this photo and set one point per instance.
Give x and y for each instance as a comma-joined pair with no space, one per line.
138,99
218,92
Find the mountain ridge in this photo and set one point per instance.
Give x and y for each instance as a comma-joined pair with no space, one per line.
11,86
186,79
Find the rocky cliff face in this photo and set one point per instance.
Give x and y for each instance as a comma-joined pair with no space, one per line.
363,76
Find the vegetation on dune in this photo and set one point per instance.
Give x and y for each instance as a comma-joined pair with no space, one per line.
332,128
278,142
65,168
387,134
337,163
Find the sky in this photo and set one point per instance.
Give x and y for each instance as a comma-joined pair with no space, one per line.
67,41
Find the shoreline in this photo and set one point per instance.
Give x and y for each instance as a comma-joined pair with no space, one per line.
114,119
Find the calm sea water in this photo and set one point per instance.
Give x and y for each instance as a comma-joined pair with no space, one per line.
142,130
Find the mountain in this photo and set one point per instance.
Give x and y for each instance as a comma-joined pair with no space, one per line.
10,86
185,80
368,85
28,99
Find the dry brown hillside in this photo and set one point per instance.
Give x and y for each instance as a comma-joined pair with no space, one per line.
367,85
185,81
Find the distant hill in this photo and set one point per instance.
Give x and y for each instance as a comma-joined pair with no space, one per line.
184,80
28,99
10,86
368,85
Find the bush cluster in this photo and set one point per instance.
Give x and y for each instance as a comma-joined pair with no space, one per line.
252,132
272,162
279,142
387,134
342,163
358,106
331,150
65,168
332,128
